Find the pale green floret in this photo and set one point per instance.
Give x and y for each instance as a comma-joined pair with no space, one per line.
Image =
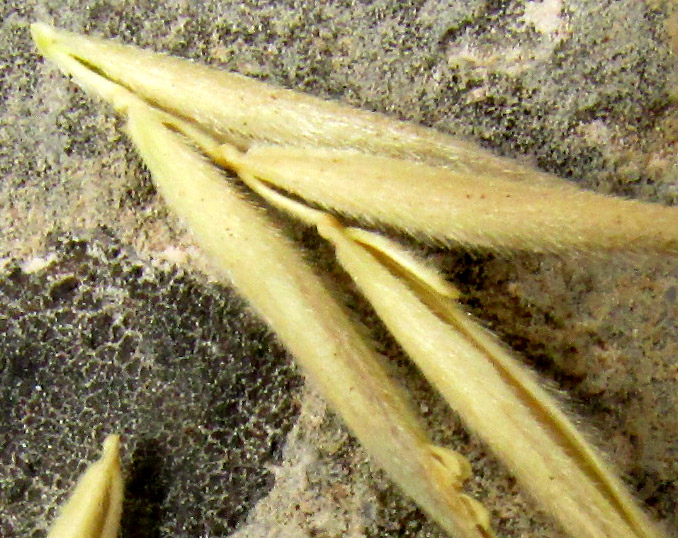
93,509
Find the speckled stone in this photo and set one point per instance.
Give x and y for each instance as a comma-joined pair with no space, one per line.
108,322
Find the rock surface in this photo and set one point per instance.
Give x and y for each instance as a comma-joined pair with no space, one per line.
108,322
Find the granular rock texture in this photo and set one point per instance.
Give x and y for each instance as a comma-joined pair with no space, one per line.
107,322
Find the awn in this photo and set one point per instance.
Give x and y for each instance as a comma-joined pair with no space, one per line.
367,166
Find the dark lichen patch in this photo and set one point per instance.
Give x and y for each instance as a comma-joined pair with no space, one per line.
98,342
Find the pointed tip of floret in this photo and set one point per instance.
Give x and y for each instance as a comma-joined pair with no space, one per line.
44,36
111,447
